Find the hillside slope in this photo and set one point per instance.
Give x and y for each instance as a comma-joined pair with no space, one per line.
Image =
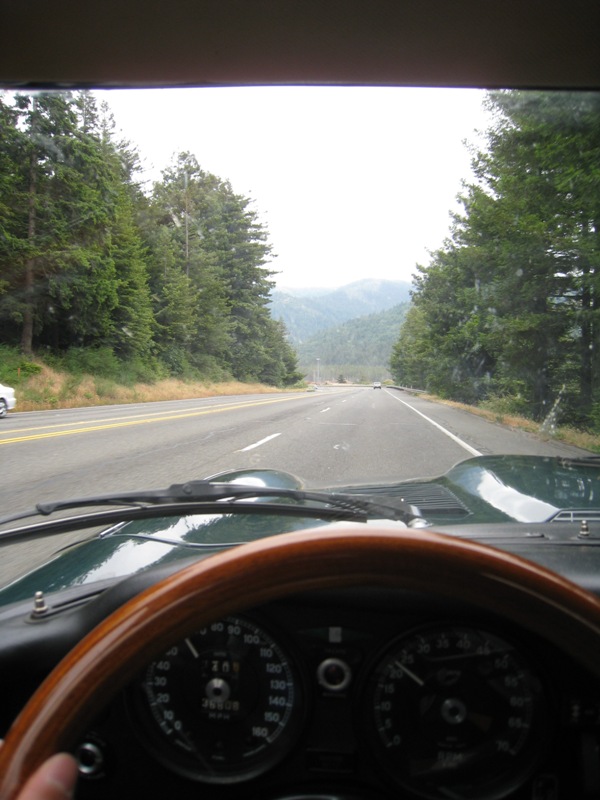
365,341
306,314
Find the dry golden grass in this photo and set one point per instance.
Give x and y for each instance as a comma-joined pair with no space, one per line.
587,441
51,389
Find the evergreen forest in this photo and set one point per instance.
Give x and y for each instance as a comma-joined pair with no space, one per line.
93,270
507,312
357,350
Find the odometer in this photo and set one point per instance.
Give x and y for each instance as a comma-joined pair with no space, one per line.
223,705
456,711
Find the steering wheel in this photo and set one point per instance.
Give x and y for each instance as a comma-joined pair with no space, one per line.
251,574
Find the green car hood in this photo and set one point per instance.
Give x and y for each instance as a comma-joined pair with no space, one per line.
131,547
486,489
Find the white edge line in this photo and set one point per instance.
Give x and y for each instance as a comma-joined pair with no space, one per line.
323,410
466,446
258,444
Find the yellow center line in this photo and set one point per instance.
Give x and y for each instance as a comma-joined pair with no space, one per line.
145,421
144,416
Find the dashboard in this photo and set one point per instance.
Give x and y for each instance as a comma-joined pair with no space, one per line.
351,666
351,694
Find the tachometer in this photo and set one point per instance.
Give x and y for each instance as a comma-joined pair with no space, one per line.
456,711
223,705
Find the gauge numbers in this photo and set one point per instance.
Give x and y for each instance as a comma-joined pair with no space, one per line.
456,713
225,701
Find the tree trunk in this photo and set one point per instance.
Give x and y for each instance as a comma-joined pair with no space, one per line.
587,343
29,277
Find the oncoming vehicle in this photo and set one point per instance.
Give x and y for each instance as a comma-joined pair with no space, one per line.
229,596
7,399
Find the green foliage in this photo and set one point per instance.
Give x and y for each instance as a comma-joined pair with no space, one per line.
91,361
124,286
508,311
106,389
413,360
514,403
14,368
207,275
102,362
595,418
366,341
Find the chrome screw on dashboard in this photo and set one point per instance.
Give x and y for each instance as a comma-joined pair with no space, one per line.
39,605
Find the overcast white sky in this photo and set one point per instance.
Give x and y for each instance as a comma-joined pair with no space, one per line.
351,183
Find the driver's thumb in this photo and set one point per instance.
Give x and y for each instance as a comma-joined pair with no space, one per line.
54,780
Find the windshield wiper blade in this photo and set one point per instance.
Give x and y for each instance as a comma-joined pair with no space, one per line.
203,491
116,516
582,461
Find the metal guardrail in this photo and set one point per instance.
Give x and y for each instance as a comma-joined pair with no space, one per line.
409,389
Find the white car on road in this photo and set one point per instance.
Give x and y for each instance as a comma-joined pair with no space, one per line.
7,399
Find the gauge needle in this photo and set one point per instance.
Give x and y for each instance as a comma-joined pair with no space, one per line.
410,674
193,650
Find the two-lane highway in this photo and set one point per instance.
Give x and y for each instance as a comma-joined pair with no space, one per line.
334,436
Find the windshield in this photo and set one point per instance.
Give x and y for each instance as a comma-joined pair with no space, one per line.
204,280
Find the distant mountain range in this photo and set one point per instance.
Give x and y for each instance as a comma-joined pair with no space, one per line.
348,331
306,312
364,341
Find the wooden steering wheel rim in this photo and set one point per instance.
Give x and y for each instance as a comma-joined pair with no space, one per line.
340,556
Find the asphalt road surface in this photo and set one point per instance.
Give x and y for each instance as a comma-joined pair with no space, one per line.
334,436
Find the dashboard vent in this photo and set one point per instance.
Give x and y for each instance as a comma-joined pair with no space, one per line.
432,500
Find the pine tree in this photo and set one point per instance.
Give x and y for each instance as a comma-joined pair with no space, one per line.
510,303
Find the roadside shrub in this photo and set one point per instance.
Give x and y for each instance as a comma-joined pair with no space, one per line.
511,405
595,418
137,371
100,361
14,368
107,389
43,397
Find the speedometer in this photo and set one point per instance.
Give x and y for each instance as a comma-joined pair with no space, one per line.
456,711
223,705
